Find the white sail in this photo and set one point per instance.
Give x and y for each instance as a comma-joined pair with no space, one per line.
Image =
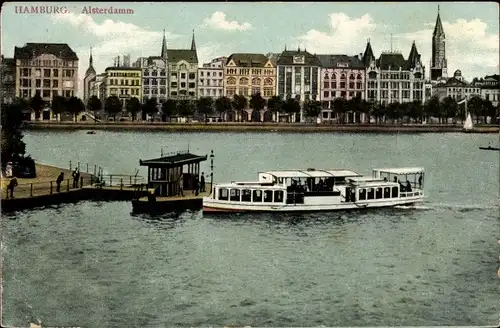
468,123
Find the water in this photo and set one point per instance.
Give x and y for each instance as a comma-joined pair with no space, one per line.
94,264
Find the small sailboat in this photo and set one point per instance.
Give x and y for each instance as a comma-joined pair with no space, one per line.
468,126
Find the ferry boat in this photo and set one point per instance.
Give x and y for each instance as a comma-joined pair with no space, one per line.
318,190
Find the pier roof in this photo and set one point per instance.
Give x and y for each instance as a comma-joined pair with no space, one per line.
176,159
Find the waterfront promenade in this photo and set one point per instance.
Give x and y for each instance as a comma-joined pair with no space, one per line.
258,127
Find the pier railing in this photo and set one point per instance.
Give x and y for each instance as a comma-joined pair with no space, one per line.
118,180
25,190
93,169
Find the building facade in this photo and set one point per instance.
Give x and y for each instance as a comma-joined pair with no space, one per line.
50,68
8,78
342,76
211,78
392,78
154,78
90,75
439,65
123,82
489,88
457,88
95,85
247,74
298,76
182,72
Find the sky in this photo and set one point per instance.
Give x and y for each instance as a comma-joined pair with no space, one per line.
223,28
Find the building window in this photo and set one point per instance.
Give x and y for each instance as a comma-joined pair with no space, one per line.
46,73
326,94
183,75
183,84
192,85
192,76
46,94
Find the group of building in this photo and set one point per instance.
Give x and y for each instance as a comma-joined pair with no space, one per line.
52,69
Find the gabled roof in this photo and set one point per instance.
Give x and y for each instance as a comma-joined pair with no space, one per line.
286,58
61,50
176,55
331,61
173,160
393,61
248,60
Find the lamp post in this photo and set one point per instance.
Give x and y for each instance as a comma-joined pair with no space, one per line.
211,168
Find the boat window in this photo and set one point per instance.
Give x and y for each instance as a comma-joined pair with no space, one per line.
235,195
362,194
387,192
223,194
268,196
394,192
371,193
378,193
278,196
280,180
257,196
246,195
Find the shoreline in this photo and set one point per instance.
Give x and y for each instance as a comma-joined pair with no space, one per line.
257,127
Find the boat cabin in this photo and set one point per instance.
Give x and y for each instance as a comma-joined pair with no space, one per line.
410,179
167,174
315,186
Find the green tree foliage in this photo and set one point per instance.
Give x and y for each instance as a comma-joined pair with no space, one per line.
94,104
37,104
312,108
291,106
205,106
12,145
432,107
75,106
59,105
475,105
186,107
449,108
257,102
340,108
239,103
223,105
168,109
150,107
113,106
133,106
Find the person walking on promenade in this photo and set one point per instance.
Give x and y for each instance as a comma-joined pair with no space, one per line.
60,179
202,182
181,186
10,187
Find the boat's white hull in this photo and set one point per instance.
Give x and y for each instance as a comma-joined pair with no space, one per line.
214,206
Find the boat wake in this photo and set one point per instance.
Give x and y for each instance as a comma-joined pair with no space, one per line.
450,206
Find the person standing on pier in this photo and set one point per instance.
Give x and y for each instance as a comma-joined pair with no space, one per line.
10,187
202,182
60,179
196,186
76,177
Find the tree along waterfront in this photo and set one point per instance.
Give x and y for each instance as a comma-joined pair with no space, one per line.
258,109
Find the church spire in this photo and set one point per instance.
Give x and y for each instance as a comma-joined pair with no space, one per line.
438,29
193,43
90,58
368,54
164,46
